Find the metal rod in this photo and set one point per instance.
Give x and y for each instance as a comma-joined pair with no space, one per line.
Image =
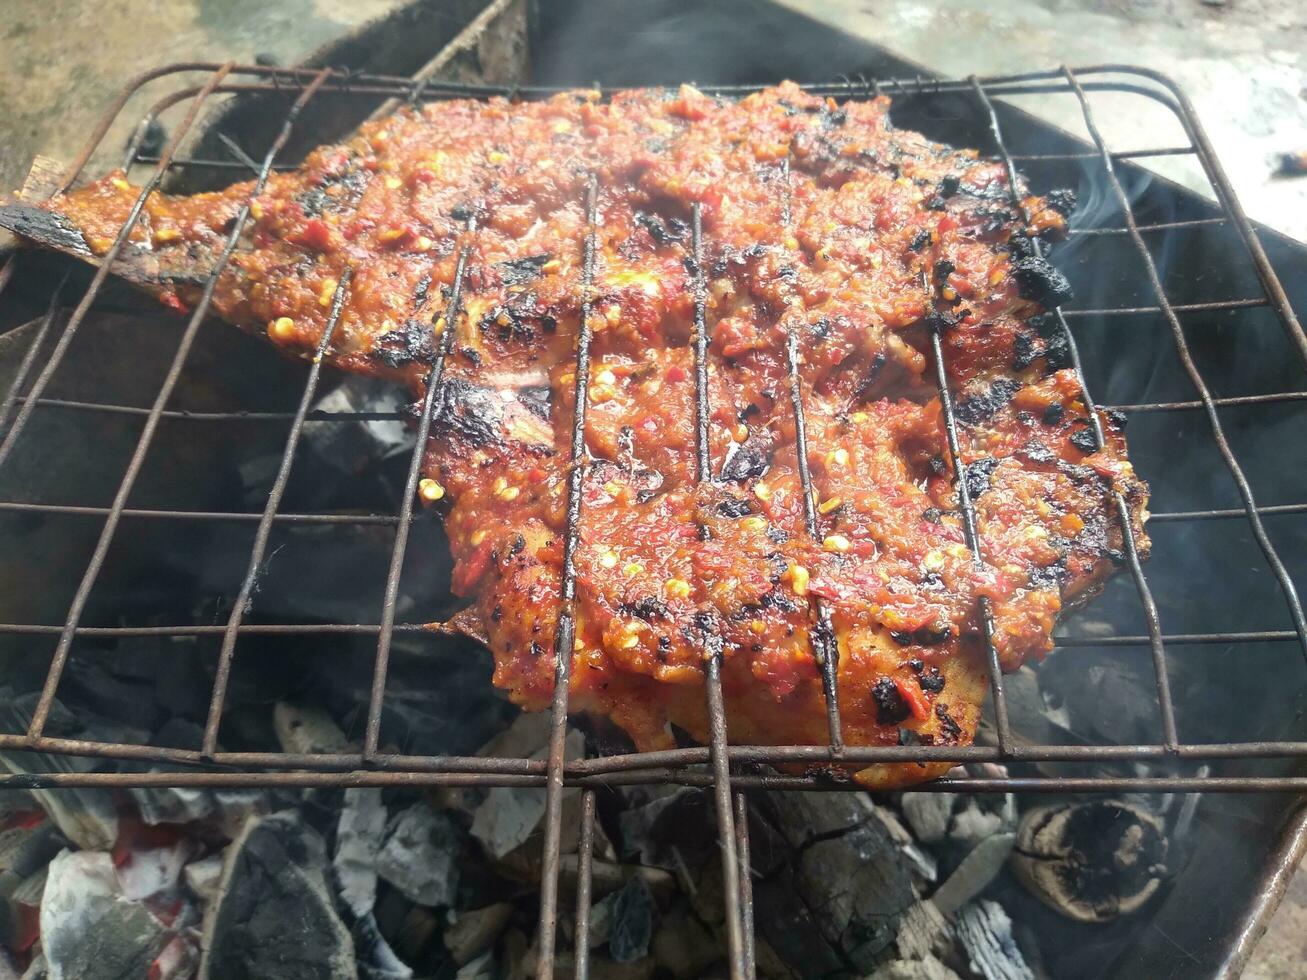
1287,587
584,868
822,635
1130,545
244,597
746,882
717,738
1213,306
29,358
220,516
565,637
317,415
390,598
1002,724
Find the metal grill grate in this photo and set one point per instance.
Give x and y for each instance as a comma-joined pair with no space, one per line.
729,769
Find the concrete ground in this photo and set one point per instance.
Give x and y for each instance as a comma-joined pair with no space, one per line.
1243,62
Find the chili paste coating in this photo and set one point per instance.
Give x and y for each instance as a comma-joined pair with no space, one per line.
824,227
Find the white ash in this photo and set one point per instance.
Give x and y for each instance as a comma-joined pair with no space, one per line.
359,832
928,814
985,933
202,877
420,855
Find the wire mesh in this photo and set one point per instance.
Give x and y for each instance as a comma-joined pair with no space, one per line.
727,769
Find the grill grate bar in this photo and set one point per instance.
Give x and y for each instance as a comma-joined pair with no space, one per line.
1195,376
1215,306
18,506
748,965
1160,226
565,636
244,597
29,357
435,379
717,754
992,664
584,864
1130,545
91,574
823,633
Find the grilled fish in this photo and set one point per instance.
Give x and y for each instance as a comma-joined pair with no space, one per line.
834,249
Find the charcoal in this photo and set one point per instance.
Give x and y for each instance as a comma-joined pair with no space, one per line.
631,923
928,814
974,874
921,861
275,915
89,930
154,872
420,855
376,960
979,818
307,729
840,893
984,932
359,832
475,931
923,969
654,826
923,932
87,817
25,851
202,877
508,822
353,445
1091,861
683,945
481,968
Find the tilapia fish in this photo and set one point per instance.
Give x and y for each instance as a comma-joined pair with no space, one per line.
831,243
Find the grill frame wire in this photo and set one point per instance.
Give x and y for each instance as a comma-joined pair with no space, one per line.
373,767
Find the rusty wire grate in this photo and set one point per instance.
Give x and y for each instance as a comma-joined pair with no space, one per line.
724,763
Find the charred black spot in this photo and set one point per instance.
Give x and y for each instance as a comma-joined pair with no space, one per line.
1024,351
948,185
937,465
647,608
777,534
950,727
1037,452
1084,440
733,507
470,411
1118,419
941,321
915,665
932,681
1022,247
920,240
420,292
978,475
1049,576
664,232
517,317
535,398
820,329
867,385
1062,200
472,355
519,543
943,269
1053,413
1038,280
410,342
932,515
891,707
978,408
749,461
519,271
1057,352
833,119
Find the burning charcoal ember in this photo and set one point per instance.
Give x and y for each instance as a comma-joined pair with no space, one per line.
420,855
475,931
353,445
928,814
923,969
359,833
974,874
275,915
202,877
836,898
307,729
1091,861
25,851
89,929
87,817
984,932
